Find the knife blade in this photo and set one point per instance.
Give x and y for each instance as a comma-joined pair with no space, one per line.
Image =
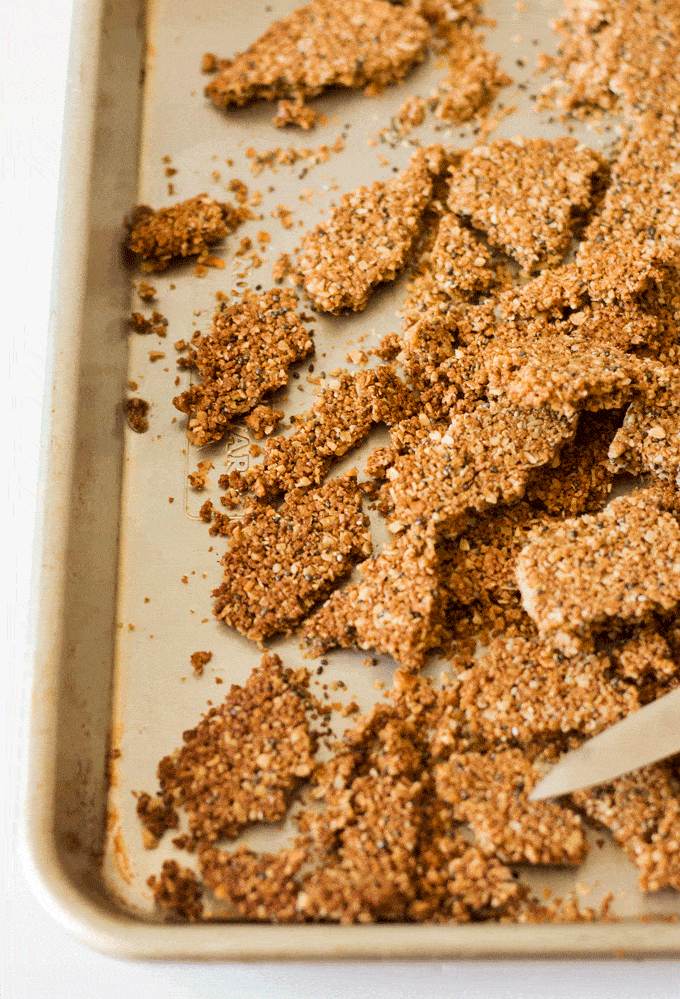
647,735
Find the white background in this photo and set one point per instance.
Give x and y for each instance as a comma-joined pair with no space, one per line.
40,959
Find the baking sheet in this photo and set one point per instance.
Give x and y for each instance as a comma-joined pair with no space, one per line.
115,687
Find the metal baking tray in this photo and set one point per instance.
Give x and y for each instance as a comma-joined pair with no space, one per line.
113,687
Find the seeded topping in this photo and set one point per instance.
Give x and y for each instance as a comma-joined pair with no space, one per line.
183,230
526,195
491,793
245,356
367,238
359,43
622,563
280,563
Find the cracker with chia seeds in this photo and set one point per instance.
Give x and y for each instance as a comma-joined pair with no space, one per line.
341,417
245,759
398,608
246,355
490,793
184,230
282,562
642,811
522,691
485,457
527,195
619,565
359,43
579,479
368,236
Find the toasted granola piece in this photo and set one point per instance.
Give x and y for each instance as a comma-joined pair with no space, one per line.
642,810
178,891
183,230
579,479
359,43
397,608
527,195
485,456
246,355
649,439
340,419
622,563
280,563
490,792
368,236
264,420
523,691
261,886
244,760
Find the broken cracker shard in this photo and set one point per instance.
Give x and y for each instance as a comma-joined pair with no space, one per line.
359,43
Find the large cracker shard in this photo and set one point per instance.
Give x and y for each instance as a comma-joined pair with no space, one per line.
527,195
486,456
368,237
397,608
325,44
622,564
281,563
490,792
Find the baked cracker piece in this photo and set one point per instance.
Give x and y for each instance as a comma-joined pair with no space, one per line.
642,811
263,887
398,607
622,564
458,267
634,241
607,52
340,419
368,236
649,439
478,567
183,230
523,691
579,479
526,195
490,793
246,355
245,759
485,457
359,43
281,562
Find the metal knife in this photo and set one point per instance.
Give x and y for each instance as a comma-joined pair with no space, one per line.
643,737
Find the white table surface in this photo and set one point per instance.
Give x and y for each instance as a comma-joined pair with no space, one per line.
40,960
